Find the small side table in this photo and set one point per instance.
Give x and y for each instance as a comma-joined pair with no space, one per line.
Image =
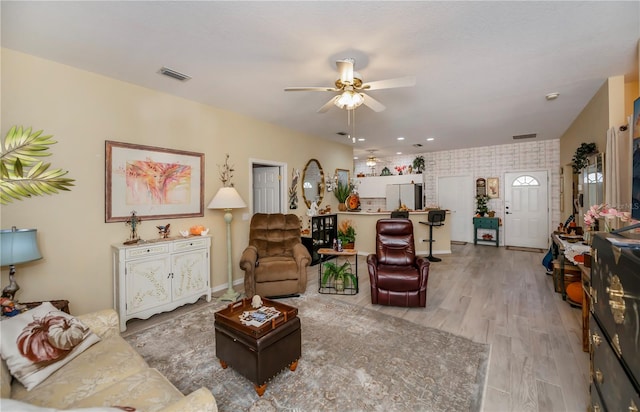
62,305
491,223
332,254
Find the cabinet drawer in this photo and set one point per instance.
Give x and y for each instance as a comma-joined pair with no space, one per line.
149,250
190,244
485,223
616,389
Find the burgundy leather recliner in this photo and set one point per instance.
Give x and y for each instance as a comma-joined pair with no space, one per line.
398,277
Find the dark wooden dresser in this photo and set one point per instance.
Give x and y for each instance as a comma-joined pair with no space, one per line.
614,325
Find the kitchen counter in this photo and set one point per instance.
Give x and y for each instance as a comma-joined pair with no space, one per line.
365,226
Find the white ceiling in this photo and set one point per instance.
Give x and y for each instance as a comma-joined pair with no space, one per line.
482,68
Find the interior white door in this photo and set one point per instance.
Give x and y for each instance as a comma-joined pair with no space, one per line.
526,207
456,194
266,189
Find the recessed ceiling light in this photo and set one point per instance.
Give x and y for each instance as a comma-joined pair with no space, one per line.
398,153
430,139
400,138
361,139
355,157
552,96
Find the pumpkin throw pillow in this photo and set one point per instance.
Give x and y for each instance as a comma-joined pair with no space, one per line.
40,341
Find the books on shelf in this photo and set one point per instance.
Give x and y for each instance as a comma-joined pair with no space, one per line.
259,316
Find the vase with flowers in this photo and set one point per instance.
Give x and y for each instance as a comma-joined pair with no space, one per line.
347,234
400,169
609,216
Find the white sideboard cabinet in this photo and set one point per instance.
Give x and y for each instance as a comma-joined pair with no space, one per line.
158,276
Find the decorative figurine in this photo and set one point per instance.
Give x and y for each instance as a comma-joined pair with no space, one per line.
256,301
164,231
133,221
313,209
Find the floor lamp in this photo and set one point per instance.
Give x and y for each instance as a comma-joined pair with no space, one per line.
228,198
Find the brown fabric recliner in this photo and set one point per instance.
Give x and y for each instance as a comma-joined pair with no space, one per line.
275,262
398,277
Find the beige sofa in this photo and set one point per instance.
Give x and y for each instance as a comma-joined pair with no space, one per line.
109,373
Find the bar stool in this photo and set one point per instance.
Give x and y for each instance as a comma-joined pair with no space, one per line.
434,218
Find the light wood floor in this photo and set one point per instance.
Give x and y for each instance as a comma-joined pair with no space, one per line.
503,298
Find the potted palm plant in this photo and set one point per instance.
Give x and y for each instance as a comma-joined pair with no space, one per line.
418,164
342,192
347,234
341,276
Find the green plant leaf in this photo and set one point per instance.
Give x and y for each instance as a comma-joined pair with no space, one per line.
22,174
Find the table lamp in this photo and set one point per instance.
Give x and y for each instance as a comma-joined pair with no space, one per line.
17,246
228,198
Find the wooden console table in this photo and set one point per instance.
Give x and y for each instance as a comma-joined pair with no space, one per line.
62,305
492,223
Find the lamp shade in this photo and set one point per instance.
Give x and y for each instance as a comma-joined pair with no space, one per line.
18,246
227,198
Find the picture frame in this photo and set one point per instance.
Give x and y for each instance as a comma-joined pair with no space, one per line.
493,187
481,187
156,183
343,176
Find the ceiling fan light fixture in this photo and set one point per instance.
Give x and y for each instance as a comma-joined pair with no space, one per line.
349,100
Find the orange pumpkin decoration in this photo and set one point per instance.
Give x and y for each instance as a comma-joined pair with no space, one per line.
196,230
353,202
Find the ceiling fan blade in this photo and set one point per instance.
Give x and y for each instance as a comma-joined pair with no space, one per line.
390,83
345,69
327,105
311,89
372,103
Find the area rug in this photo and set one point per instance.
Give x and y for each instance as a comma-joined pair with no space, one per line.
353,359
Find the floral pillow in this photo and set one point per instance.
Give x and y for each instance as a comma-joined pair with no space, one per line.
40,341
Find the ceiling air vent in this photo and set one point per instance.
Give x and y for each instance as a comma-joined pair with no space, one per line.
417,145
174,74
342,133
525,136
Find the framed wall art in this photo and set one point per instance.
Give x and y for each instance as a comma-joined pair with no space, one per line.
154,182
493,187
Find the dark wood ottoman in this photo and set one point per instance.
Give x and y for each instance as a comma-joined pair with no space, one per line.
258,353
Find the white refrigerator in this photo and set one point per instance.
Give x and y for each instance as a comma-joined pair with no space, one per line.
409,194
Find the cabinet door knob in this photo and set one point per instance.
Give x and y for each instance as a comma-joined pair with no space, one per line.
599,376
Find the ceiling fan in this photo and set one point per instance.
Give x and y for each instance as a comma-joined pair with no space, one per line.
350,87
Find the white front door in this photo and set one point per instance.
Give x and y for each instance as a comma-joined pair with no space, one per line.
454,194
266,189
526,208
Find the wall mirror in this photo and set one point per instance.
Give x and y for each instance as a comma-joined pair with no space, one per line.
313,183
343,176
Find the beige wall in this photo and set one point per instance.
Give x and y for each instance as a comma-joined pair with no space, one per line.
82,110
606,109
